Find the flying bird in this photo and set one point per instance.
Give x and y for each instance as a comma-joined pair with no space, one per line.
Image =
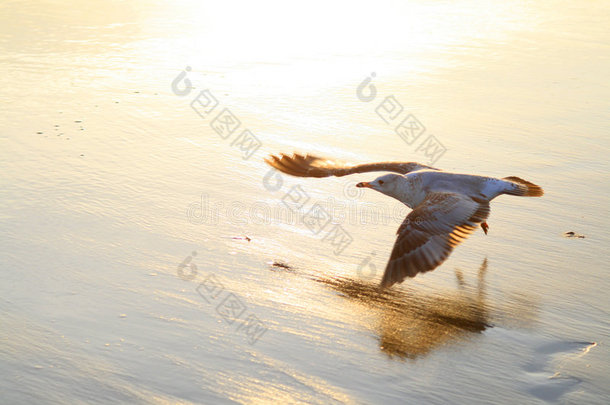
446,207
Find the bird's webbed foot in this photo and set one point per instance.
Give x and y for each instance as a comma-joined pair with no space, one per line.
485,227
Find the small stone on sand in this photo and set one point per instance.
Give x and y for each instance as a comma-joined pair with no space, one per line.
280,265
572,234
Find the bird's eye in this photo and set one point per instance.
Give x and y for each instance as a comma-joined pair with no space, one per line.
380,182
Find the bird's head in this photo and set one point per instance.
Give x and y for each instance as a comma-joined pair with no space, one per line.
388,184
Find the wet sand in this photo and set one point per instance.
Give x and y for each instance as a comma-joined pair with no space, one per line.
150,256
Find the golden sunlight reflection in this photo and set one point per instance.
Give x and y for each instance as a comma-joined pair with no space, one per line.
119,176
412,324
309,43
257,391
317,21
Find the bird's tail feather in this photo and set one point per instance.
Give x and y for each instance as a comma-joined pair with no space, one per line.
522,187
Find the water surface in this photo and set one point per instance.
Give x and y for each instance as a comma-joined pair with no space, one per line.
125,214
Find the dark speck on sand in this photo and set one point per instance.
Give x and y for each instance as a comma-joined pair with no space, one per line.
280,265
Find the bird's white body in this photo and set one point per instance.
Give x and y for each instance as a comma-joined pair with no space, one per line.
413,188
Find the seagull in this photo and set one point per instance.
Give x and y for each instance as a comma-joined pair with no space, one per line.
446,207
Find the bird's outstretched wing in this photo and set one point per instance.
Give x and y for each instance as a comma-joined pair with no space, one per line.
431,231
313,166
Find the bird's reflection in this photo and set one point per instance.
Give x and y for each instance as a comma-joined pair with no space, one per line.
411,324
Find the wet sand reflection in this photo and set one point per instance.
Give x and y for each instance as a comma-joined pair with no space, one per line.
412,324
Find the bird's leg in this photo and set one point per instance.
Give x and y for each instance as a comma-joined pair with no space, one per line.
485,227
460,278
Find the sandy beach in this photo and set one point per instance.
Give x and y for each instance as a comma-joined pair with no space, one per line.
149,255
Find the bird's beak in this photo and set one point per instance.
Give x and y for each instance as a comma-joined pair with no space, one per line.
364,184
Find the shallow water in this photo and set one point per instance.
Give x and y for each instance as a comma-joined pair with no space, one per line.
126,272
